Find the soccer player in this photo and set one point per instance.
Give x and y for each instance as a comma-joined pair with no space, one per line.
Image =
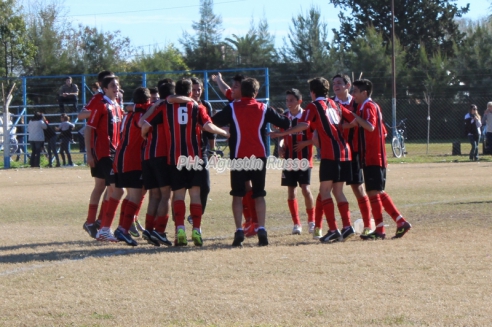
373,158
91,225
155,171
248,120
302,178
341,87
325,116
182,123
128,166
103,137
250,226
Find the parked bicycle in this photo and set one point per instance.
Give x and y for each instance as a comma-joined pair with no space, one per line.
398,140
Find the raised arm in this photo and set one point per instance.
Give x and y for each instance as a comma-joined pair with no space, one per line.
220,83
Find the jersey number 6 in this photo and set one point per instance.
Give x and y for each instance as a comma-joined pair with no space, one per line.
183,115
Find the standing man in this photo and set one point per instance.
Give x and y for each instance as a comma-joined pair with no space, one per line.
341,87
248,120
68,94
373,158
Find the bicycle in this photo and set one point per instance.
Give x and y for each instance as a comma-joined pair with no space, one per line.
398,140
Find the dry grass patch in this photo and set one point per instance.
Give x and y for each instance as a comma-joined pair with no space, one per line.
52,274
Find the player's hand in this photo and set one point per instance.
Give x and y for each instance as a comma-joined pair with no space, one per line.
301,145
90,160
215,77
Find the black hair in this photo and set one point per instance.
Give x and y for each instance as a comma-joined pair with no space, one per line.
166,89
107,80
239,78
103,74
183,87
141,95
345,78
249,87
364,85
196,81
295,92
319,86
164,81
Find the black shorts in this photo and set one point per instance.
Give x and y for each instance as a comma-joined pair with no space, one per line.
185,178
296,177
375,177
336,171
104,170
131,179
257,178
155,173
357,175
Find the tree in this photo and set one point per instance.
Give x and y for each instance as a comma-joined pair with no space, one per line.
167,59
255,49
430,23
205,49
307,47
16,50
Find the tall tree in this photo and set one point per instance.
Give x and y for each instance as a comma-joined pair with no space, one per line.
205,49
16,50
307,47
430,22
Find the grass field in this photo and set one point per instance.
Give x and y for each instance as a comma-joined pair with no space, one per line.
53,274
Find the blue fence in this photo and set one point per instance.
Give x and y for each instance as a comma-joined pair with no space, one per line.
40,93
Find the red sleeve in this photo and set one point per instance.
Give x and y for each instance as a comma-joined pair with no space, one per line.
96,114
156,111
203,117
370,114
347,114
93,102
228,95
309,116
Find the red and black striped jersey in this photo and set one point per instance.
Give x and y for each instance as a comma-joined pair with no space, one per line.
292,139
351,135
183,123
372,144
105,119
128,154
156,144
248,120
325,116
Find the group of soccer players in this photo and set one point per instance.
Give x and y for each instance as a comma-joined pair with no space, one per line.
143,150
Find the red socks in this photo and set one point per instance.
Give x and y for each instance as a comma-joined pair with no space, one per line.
149,222
329,210
161,223
111,207
310,214
390,208
196,214
179,212
294,211
102,211
130,209
343,208
91,214
122,212
377,213
365,211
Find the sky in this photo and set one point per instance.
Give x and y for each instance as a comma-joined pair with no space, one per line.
162,22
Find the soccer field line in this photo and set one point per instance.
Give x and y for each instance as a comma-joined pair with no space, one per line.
137,250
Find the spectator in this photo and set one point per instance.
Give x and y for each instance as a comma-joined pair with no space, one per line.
50,138
473,123
36,137
68,94
65,129
487,120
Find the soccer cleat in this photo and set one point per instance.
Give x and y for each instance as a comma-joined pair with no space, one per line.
262,237
373,236
318,233
252,230
146,235
97,223
238,238
297,230
347,233
365,232
197,237
139,227
190,219
125,237
134,230
400,231
106,235
331,237
160,238
312,225
90,229
181,238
